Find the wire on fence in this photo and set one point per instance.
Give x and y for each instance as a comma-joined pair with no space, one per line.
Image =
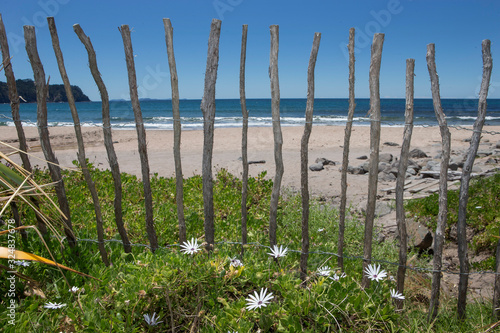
417,269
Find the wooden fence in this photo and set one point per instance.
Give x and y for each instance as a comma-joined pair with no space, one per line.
208,109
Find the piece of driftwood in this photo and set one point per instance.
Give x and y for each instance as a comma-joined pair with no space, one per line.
208,109
42,92
79,139
244,139
141,136
304,156
400,181
443,183
108,138
374,82
278,137
345,157
174,83
466,175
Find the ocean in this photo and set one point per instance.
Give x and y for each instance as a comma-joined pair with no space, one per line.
157,114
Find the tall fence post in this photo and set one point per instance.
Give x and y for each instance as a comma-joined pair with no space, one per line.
208,109
345,157
304,156
400,181
14,105
141,136
174,83
108,138
443,183
244,138
464,183
78,132
42,92
278,137
376,58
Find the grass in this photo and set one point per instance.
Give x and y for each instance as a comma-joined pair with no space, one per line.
202,291
483,214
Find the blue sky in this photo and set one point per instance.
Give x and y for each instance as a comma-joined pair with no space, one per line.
457,27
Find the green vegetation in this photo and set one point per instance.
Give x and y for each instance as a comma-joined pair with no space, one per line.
203,290
26,89
483,213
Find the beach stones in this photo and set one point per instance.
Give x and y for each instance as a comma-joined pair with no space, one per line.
320,163
417,153
316,167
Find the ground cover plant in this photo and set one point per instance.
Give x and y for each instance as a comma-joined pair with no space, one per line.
483,215
182,286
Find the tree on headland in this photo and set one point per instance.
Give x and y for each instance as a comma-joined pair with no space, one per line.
26,89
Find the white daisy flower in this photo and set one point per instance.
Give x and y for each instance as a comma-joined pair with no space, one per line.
396,295
151,320
22,263
50,305
278,252
235,262
190,247
336,277
257,301
74,289
324,271
373,272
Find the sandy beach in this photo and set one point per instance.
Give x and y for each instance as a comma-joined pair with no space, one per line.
325,141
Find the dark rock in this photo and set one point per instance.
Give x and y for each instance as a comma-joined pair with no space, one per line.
316,167
419,237
364,157
417,153
324,161
497,146
257,162
365,166
392,144
453,166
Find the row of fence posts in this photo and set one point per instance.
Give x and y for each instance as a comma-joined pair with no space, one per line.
208,110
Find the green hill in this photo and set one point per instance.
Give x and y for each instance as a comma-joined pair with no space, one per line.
26,90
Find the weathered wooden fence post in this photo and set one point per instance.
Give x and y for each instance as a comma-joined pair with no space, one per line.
174,83
108,138
400,181
141,136
42,92
244,139
78,132
304,156
208,109
443,183
464,183
345,157
14,105
376,58
278,137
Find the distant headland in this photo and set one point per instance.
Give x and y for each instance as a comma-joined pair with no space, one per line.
27,92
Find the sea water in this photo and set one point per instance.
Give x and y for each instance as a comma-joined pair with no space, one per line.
157,114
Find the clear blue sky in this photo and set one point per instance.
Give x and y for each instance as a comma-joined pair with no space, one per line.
457,28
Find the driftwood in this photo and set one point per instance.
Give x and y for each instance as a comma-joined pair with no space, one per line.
208,109
443,184
400,181
108,139
304,156
179,179
376,58
141,136
345,157
464,184
278,137
78,132
14,105
244,139
42,91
